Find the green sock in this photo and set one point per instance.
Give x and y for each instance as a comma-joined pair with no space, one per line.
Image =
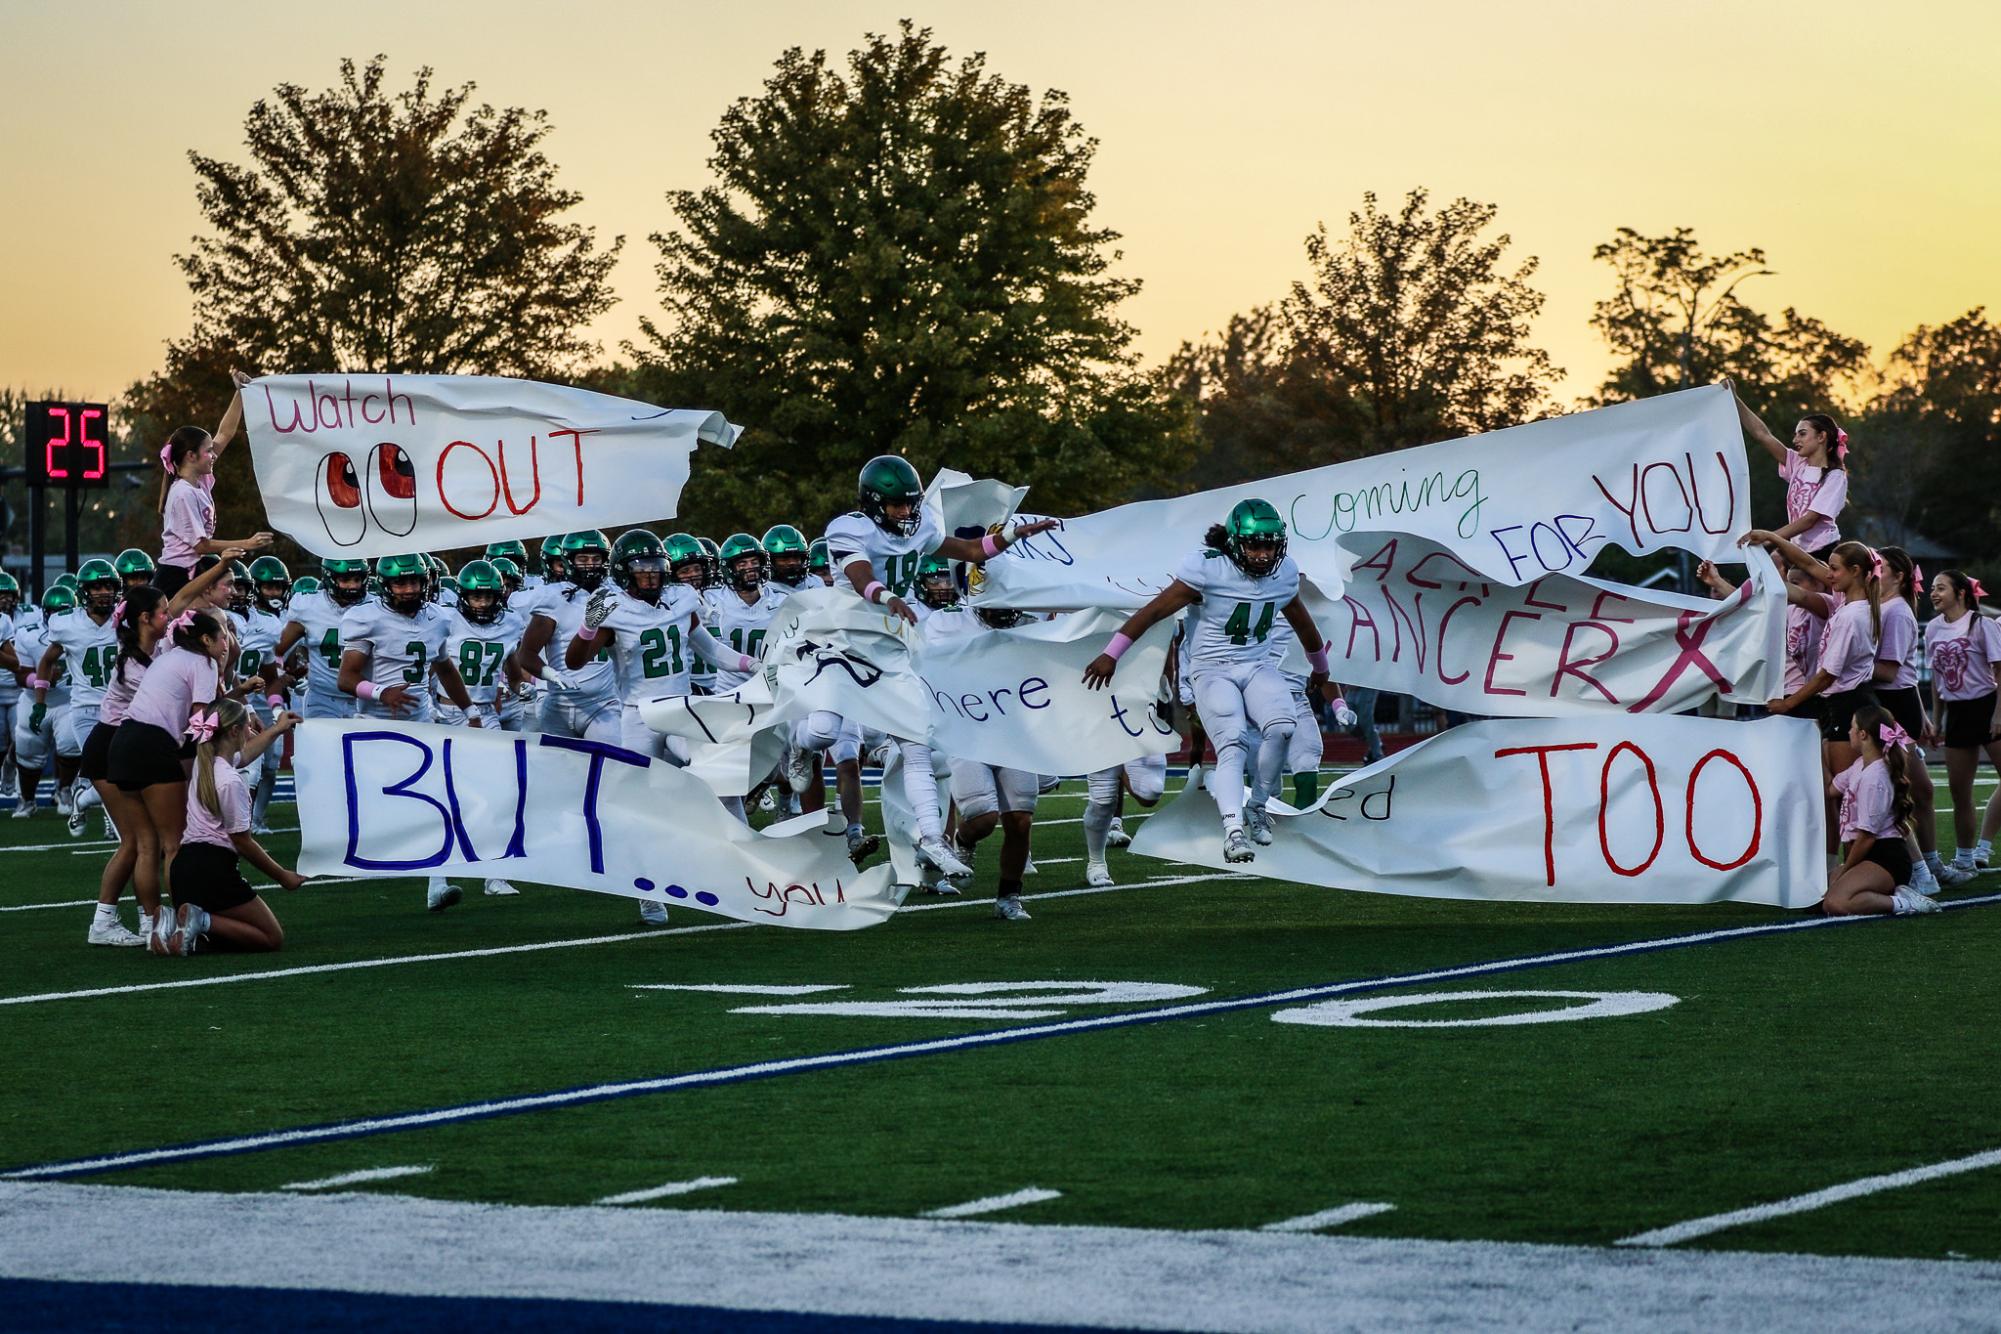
1305,789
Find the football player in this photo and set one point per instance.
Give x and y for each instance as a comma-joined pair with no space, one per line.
10,685
38,720
583,702
257,634
786,550
81,645
313,622
480,641
688,563
135,569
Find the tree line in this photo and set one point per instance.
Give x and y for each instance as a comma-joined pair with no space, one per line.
897,253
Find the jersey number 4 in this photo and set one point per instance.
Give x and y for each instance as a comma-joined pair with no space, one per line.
1239,627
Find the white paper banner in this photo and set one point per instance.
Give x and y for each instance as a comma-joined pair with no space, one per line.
372,465
1647,809
408,799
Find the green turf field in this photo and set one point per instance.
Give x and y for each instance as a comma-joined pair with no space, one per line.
1791,1060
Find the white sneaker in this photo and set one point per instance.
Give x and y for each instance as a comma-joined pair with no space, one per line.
24,807
10,782
1008,908
1950,874
441,894
146,925
1098,875
799,770
65,801
651,913
1982,858
1116,835
1908,901
934,851
112,933
1921,878
1029,867
768,802
164,940
499,889
1257,823
78,819
192,922
1237,848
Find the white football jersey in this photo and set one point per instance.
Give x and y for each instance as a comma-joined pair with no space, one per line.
564,604
1286,654
1233,621
10,687
88,652
400,648
893,557
940,623
479,650
650,642
256,637
31,641
319,617
741,625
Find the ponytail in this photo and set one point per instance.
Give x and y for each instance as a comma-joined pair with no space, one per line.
229,715
1217,539
179,445
1858,557
139,604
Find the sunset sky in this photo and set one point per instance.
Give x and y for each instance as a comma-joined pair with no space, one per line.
1859,144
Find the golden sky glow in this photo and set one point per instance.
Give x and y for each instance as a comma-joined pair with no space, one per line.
1858,143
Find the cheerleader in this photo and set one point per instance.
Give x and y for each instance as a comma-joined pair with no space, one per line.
1234,588
214,906
1896,683
1875,796
145,759
1964,649
1844,679
1815,470
187,496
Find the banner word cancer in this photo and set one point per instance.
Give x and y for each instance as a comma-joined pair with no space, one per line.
364,466
1648,809
401,799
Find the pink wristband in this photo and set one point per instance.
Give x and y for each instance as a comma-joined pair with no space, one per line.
991,547
1116,646
276,701
873,591
1317,660
364,689
36,683
745,663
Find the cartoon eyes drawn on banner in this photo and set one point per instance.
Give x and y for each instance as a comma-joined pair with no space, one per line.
391,494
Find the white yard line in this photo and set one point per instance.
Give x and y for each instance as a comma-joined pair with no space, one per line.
671,1188
738,989
993,1204
359,1178
65,903
1326,1218
1819,1199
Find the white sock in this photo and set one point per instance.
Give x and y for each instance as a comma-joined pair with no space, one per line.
107,914
1097,823
1962,857
1931,860
1983,847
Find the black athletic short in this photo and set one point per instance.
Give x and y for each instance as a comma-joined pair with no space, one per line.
1888,853
1838,711
142,755
170,579
209,877
96,763
1905,707
1969,723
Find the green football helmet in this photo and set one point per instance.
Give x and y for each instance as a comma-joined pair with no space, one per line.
639,564
57,600
482,594
135,567
241,589
99,586
273,582
514,551
745,562
937,584
888,479
552,559
66,581
305,583
439,572
509,571
346,580
685,553
1254,537
10,594
785,551
585,555
820,560
405,571
712,562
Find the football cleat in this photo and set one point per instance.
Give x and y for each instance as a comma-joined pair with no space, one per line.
1098,875
78,819
499,889
1116,835
1237,848
24,808
862,846
1008,908
799,769
1029,867
1257,822
934,851
943,889
441,894
112,933
65,801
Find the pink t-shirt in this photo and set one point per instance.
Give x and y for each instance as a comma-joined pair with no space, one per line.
232,796
1822,490
1802,646
188,521
118,695
1867,795
1900,638
176,682
1963,654
1848,648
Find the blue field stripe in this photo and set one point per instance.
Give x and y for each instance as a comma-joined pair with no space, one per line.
364,1127
37,1304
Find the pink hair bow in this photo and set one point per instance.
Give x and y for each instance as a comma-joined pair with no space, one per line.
1893,734
1979,593
201,727
167,456
181,622
1917,575
1841,444
1876,564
